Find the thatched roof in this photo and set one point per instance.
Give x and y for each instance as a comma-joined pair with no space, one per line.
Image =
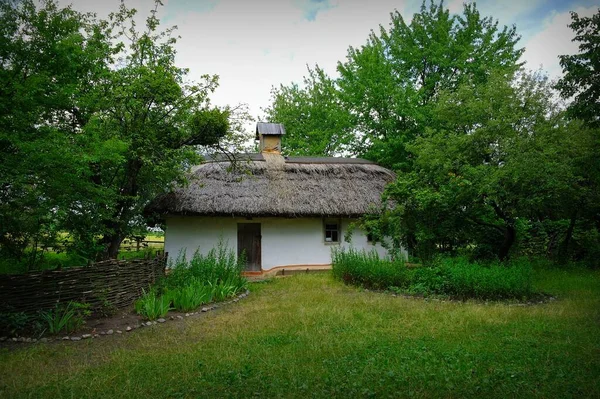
270,185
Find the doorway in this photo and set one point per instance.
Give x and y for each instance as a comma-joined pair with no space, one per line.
249,239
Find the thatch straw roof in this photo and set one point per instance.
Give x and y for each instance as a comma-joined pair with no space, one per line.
270,185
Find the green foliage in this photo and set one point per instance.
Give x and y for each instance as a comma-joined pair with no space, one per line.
482,180
454,277
65,318
191,296
315,121
581,80
152,306
367,269
224,289
96,120
218,265
215,276
391,82
14,323
462,279
382,99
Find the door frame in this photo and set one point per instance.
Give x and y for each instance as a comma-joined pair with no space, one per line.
255,241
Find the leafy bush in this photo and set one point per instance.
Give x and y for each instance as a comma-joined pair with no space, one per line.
367,269
12,323
152,306
65,318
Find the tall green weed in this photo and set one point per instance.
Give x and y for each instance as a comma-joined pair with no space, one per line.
367,269
454,277
219,264
189,284
460,278
191,296
152,306
65,318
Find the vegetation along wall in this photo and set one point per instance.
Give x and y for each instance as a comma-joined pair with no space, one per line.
112,283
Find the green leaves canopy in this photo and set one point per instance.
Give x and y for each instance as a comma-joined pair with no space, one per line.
581,78
487,162
95,121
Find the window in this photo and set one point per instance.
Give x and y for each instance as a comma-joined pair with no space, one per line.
332,231
370,238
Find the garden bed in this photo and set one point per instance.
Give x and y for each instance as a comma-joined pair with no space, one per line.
124,321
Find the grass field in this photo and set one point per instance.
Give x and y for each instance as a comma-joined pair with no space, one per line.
52,260
310,336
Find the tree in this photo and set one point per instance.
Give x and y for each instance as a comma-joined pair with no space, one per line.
155,118
581,83
386,89
504,157
391,84
49,60
316,123
581,78
96,120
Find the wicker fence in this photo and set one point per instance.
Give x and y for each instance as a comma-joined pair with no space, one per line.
114,283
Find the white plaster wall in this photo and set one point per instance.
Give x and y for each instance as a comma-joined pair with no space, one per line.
285,241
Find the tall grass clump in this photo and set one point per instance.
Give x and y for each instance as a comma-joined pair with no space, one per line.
152,306
367,269
218,265
191,296
460,278
65,318
213,277
452,277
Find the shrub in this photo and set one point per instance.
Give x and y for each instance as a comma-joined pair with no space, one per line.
12,323
367,269
65,318
152,306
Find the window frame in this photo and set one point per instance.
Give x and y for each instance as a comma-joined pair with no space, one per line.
338,223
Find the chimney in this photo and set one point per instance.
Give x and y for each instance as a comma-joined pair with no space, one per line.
269,136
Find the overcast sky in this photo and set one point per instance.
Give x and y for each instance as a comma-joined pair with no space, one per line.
256,44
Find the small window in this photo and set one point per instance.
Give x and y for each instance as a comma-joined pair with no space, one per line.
332,231
370,238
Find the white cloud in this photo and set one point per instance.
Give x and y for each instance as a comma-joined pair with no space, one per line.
554,39
254,45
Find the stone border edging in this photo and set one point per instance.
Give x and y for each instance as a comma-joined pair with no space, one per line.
82,337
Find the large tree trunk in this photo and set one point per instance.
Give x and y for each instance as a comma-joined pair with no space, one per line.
510,235
113,242
129,188
563,250
510,232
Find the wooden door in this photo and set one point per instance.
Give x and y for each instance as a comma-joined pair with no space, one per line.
249,244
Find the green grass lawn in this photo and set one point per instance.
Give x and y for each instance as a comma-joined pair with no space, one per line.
310,336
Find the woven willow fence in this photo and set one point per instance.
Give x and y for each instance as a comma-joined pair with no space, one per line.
114,283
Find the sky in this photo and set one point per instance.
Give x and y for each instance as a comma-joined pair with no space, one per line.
254,45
